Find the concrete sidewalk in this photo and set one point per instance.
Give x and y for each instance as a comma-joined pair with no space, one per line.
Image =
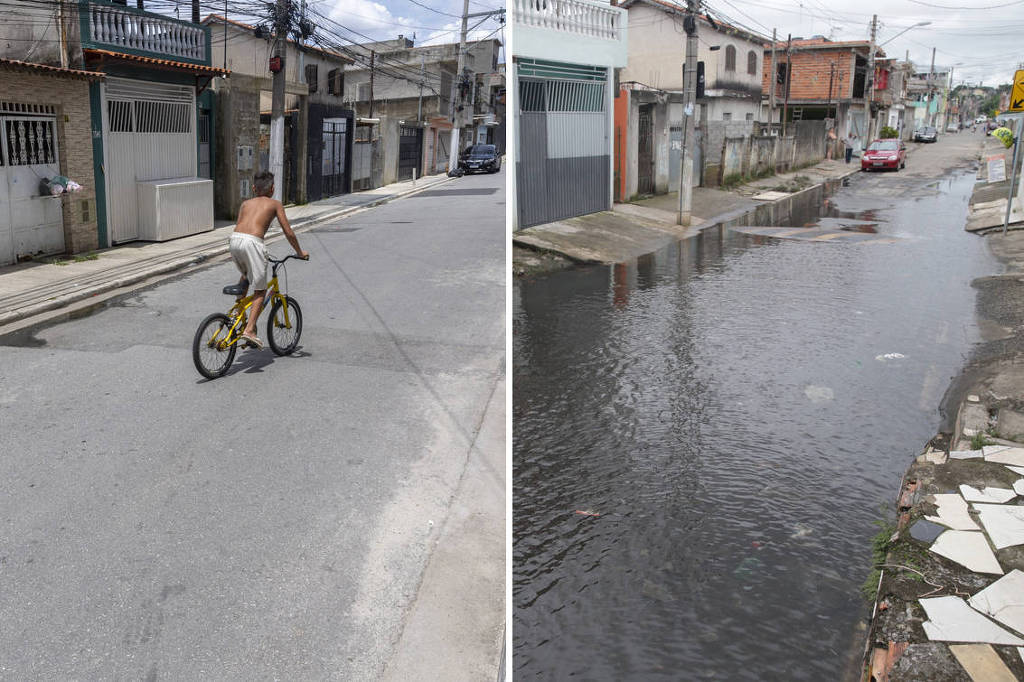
28,289
633,229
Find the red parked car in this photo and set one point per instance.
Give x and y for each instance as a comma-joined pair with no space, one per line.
884,154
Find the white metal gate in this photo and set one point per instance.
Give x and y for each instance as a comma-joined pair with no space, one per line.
149,133
31,223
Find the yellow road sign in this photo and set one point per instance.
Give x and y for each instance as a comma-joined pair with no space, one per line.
1017,94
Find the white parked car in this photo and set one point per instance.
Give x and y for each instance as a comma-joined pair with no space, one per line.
980,119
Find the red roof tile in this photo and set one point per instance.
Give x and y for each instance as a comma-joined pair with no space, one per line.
182,66
17,65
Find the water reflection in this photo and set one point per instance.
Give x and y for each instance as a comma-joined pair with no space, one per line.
719,405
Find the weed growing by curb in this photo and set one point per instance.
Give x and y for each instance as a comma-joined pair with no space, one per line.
880,544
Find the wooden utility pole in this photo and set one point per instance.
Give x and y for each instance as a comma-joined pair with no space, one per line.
931,90
773,85
831,78
453,155
689,103
277,99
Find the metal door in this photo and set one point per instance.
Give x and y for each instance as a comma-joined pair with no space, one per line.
149,133
335,134
564,152
410,152
204,145
31,222
675,158
645,150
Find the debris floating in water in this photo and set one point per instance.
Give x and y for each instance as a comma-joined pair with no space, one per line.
890,356
819,394
587,512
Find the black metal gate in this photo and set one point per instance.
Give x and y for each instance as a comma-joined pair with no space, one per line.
334,146
331,134
645,151
410,152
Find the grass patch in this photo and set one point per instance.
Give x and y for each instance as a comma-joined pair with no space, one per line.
979,440
56,261
880,544
83,257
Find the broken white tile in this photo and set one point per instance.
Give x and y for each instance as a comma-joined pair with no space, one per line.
1018,486
967,548
1020,650
1016,470
950,619
993,449
970,433
966,454
993,495
952,512
973,398
982,663
1003,600
1004,523
1005,455
935,456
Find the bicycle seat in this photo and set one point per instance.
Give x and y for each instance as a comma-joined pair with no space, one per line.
236,289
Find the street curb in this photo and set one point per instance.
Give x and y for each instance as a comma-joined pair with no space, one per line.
118,282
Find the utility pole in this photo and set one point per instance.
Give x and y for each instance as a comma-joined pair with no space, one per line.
869,85
831,78
789,78
373,56
277,99
773,84
423,75
931,90
453,155
689,104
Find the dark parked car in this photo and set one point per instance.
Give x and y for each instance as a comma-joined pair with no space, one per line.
884,154
926,134
480,158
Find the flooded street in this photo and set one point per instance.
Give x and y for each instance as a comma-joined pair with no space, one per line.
703,438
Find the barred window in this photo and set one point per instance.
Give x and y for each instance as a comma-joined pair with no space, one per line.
730,58
31,142
312,77
561,96
531,96
119,116
162,117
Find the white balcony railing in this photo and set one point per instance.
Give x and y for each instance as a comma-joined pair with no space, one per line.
581,17
118,26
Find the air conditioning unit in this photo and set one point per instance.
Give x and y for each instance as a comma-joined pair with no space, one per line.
175,207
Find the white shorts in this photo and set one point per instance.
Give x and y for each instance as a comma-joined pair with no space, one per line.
250,255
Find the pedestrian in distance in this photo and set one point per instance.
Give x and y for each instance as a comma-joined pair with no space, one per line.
248,250
848,141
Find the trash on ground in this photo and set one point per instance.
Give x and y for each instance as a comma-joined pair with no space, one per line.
587,512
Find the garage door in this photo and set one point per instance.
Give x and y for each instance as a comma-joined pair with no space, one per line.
149,133
31,223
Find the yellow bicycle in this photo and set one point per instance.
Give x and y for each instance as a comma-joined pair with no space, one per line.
218,336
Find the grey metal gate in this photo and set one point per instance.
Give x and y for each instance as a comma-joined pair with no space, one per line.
564,162
645,150
675,157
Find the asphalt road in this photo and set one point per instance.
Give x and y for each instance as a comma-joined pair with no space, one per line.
338,514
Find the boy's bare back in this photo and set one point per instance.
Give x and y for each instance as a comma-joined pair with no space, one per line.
256,214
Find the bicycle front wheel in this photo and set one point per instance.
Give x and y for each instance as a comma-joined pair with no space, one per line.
212,351
284,326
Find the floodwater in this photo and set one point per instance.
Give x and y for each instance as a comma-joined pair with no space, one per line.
730,415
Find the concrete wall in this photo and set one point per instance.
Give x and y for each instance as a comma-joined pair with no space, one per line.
238,125
809,142
30,32
715,135
70,98
746,154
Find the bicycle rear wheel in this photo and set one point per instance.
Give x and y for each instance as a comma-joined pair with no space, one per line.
284,326
211,352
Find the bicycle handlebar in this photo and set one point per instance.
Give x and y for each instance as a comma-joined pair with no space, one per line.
282,260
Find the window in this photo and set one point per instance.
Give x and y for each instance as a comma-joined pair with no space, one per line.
727,116
162,117
730,58
312,77
119,116
363,92
31,142
752,63
336,83
750,117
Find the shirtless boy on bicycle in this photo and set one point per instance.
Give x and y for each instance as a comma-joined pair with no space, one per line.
248,250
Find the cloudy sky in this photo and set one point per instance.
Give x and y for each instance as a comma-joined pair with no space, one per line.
982,40
431,21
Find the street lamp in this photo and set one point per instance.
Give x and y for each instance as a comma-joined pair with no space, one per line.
869,95
918,24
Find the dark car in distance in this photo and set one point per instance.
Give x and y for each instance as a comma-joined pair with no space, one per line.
480,158
926,134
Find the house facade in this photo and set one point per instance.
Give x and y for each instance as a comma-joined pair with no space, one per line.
649,104
143,116
563,93
410,94
319,128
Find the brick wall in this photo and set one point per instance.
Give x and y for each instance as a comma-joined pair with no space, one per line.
810,77
70,97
